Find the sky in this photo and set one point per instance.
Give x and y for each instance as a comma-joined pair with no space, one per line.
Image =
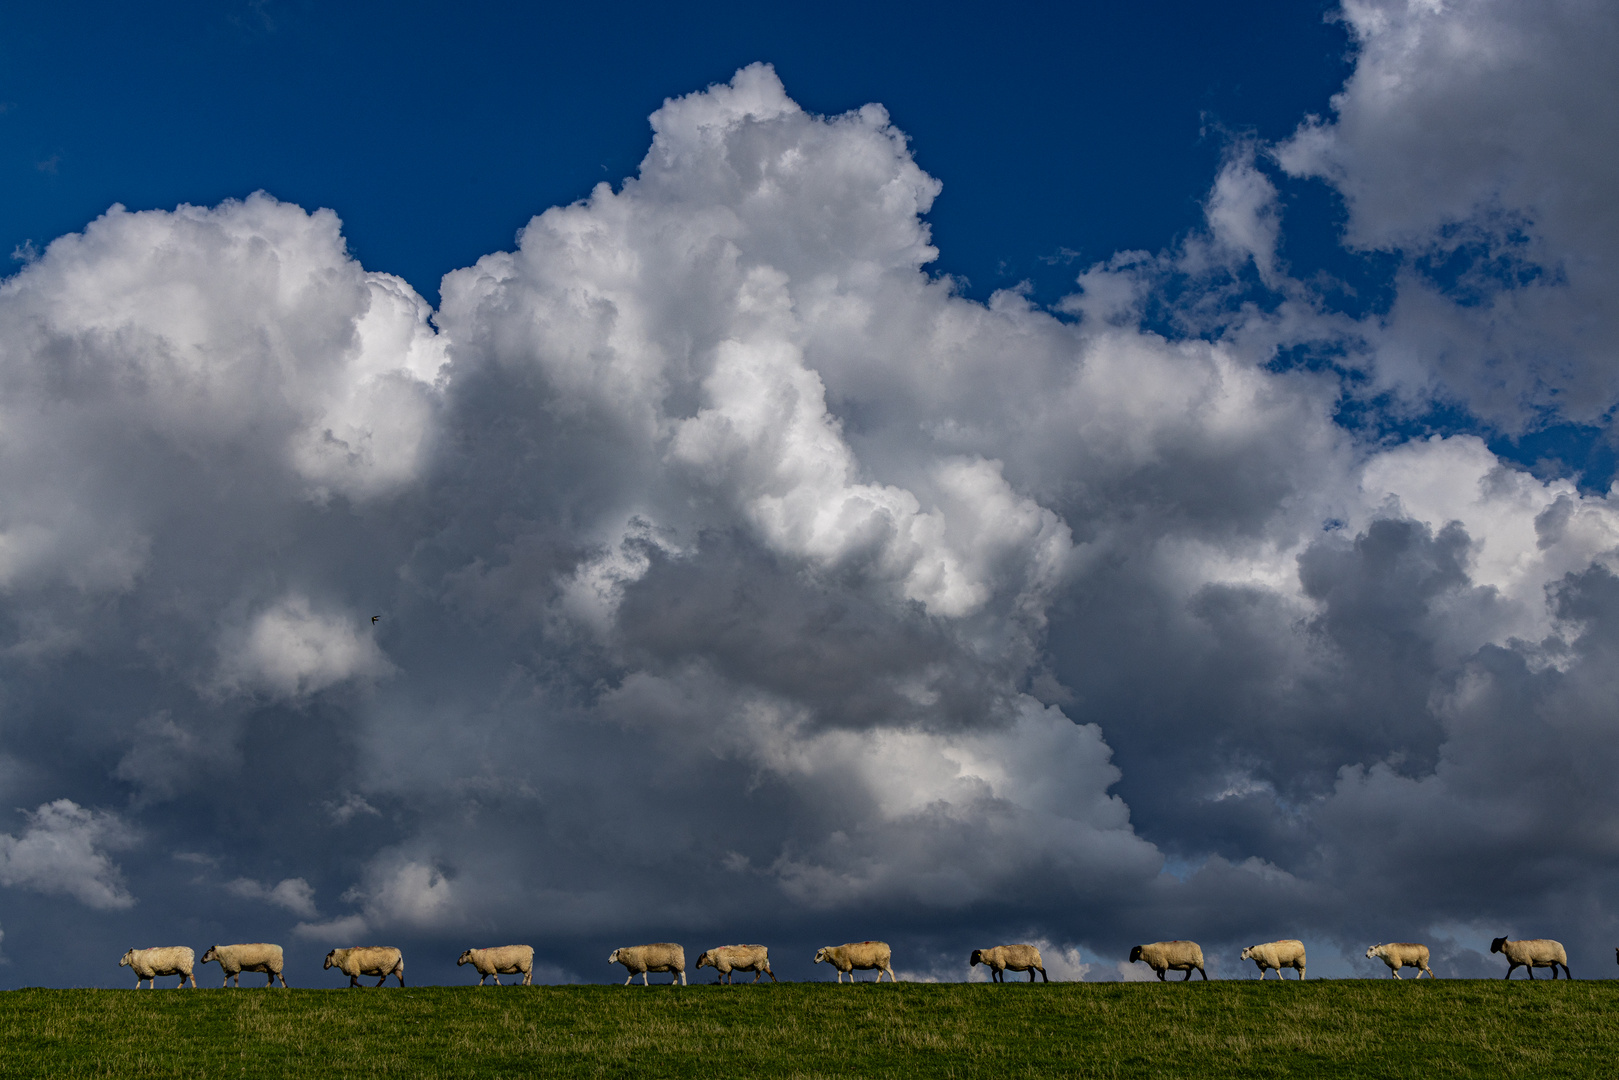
1060,474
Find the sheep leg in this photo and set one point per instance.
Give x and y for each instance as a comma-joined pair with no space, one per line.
496,977
1031,974
1043,977
1188,976
628,977
528,977
644,980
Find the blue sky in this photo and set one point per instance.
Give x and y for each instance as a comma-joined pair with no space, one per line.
1082,476
1063,132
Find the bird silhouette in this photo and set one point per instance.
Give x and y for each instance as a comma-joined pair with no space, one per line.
374,619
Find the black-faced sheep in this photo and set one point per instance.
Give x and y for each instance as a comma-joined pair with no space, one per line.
1530,954
235,959
1164,956
1016,957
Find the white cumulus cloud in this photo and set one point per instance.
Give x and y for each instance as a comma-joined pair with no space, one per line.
63,850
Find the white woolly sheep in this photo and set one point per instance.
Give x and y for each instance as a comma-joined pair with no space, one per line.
164,960
728,958
864,955
501,960
235,959
1287,953
1402,954
1016,957
381,960
1164,956
1530,954
640,959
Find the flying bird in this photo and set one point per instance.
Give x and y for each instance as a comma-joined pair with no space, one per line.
374,619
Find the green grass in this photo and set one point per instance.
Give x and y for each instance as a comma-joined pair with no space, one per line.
1224,1029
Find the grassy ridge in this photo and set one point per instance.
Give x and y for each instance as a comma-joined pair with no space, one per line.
1225,1029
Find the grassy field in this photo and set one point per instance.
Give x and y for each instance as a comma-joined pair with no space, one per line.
1224,1029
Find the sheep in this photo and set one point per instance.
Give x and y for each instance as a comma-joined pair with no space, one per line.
1164,956
235,959
728,958
640,959
1277,954
164,960
501,960
1530,954
864,955
368,960
1402,954
1016,957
